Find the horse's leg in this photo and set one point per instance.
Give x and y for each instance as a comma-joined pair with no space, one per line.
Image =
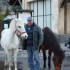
49,59
6,62
6,59
44,57
15,58
9,58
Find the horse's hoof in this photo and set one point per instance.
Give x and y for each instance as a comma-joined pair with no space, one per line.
6,66
15,68
44,69
9,68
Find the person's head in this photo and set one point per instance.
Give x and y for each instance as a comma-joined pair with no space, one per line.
30,21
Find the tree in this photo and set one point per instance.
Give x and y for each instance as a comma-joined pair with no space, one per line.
0,10
7,12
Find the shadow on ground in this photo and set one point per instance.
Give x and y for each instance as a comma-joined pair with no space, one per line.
2,67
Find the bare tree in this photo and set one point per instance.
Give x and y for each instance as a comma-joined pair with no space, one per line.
0,9
4,6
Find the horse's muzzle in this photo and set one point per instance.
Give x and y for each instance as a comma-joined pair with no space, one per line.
24,36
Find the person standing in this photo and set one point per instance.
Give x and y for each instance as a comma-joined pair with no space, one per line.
34,40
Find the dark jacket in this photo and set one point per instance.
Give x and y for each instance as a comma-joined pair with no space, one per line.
37,36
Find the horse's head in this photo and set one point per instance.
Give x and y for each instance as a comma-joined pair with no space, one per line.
58,59
19,27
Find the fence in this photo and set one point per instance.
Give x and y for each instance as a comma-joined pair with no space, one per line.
63,38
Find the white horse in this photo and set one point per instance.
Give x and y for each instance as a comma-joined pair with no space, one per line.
10,40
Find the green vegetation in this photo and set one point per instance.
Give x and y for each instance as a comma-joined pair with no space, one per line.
3,15
7,13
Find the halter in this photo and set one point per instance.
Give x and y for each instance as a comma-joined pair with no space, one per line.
20,32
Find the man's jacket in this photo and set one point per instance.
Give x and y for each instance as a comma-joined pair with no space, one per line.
37,37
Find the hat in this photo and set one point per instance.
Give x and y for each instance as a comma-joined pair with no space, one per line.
29,18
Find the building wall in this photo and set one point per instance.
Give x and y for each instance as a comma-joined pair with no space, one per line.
55,15
68,18
25,4
61,20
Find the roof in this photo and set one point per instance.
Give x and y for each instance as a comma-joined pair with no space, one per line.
14,2
63,2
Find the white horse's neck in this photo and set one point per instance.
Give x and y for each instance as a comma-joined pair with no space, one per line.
12,29
12,26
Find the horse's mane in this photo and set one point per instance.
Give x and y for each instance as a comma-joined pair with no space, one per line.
50,40
12,24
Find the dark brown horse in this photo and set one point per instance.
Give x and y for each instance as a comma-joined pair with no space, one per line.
51,43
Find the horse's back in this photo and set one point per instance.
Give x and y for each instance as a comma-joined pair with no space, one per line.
4,37
49,35
50,40
5,31
7,42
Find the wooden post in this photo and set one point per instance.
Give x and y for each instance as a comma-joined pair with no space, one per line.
65,17
17,14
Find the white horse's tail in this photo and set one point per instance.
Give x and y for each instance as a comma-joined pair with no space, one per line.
1,36
2,33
